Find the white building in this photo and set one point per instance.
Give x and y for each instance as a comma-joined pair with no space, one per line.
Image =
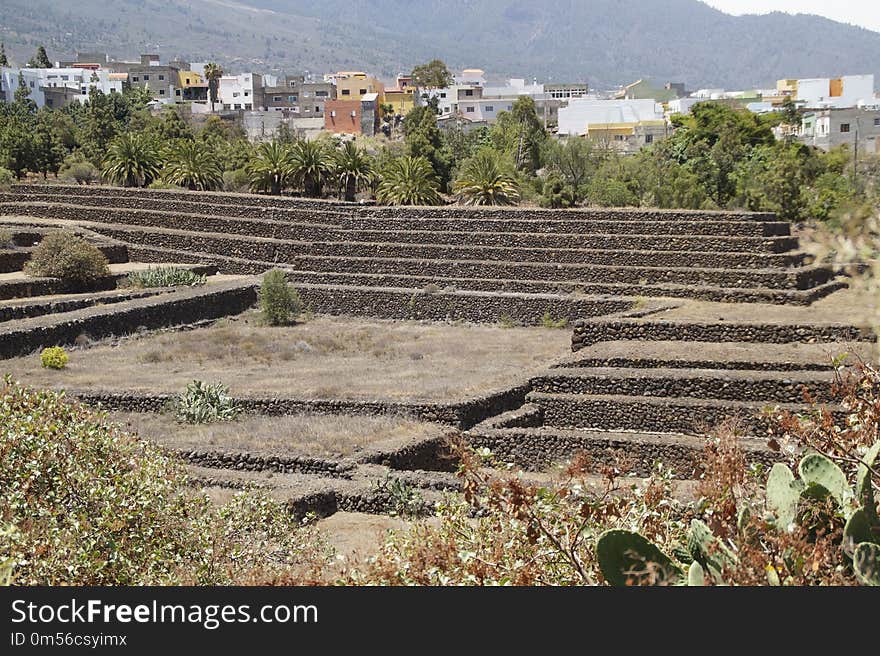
56,87
241,91
625,125
837,93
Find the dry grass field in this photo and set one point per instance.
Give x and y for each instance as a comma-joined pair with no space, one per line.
313,435
322,357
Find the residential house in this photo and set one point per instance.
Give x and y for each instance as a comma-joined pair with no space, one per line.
190,87
301,97
354,85
822,92
56,87
624,125
343,116
402,97
161,81
242,92
850,126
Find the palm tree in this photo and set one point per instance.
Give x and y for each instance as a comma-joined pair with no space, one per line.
271,169
409,181
213,73
353,170
192,164
311,165
132,160
485,180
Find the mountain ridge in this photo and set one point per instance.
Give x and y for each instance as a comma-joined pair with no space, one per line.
603,42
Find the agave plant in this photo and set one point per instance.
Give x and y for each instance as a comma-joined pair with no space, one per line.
353,170
192,164
409,181
271,169
132,161
312,164
485,180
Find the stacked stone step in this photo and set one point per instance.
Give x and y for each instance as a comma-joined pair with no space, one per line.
721,256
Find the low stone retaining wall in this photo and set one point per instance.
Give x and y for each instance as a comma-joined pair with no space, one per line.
591,332
732,388
459,414
175,308
29,310
276,463
734,365
538,449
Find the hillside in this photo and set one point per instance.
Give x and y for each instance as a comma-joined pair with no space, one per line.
604,42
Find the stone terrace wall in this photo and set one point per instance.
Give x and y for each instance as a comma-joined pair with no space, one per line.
176,308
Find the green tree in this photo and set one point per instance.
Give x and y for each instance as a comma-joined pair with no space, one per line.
132,161
3,60
486,179
424,139
520,134
353,169
433,75
16,142
99,125
409,181
22,96
574,159
311,164
40,60
192,164
171,127
49,150
213,73
271,168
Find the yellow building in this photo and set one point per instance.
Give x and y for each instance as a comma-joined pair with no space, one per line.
189,79
354,85
402,97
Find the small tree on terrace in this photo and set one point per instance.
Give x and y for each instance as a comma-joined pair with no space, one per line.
192,164
132,161
271,170
409,181
353,170
486,179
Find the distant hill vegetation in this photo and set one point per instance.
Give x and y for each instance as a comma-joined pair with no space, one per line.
603,42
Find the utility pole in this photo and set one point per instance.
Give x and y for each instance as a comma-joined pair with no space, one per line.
856,153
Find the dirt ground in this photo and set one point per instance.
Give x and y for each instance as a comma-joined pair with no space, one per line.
314,435
321,357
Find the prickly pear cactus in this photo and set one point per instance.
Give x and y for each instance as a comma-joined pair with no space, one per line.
866,563
622,554
783,494
864,490
708,550
821,476
696,576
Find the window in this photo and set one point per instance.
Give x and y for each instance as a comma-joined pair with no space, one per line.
227,106
649,138
161,92
134,78
468,92
362,91
146,78
443,95
877,121
469,109
276,98
247,93
490,108
618,137
161,77
235,94
65,77
317,110
346,92
292,99
844,127
321,94
177,92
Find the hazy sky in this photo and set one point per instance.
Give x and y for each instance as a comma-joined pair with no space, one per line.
865,13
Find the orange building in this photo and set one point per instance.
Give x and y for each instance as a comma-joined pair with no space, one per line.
343,116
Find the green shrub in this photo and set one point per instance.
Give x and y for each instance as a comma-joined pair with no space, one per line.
236,180
204,403
85,503
164,276
70,258
280,303
549,322
53,357
82,173
7,177
5,239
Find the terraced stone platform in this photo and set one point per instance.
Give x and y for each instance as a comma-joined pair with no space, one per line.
721,256
679,320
